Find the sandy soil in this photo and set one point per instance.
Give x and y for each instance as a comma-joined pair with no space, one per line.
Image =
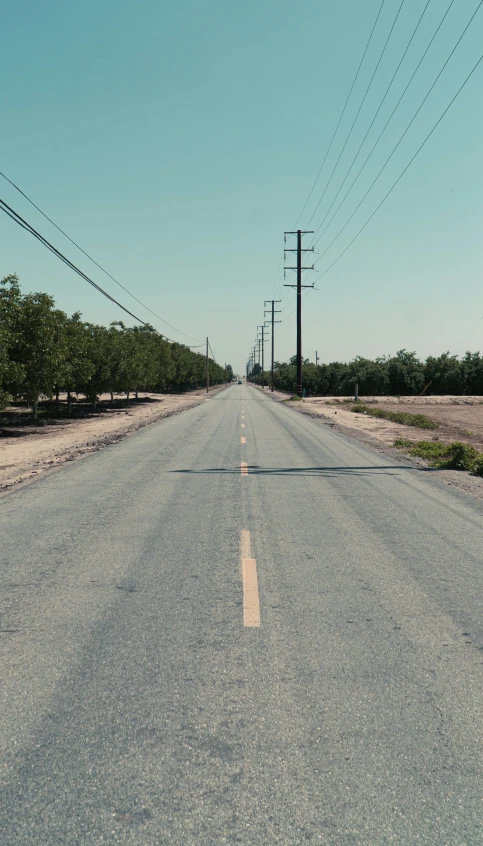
459,418
28,452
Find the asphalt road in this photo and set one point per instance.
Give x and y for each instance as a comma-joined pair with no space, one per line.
195,651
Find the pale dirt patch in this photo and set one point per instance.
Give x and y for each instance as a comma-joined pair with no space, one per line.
36,450
459,418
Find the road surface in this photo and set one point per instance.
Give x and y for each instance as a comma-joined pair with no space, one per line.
238,626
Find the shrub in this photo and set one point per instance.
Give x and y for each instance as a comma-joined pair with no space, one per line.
462,457
455,456
421,421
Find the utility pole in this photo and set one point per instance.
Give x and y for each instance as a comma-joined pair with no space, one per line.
273,312
251,363
207,370
316,358
299,287
262,344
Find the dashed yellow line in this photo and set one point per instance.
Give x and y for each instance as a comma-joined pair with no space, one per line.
245,544
243,440
243,425
251,598
244,468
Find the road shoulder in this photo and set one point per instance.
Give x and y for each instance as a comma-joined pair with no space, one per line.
39,451
457,479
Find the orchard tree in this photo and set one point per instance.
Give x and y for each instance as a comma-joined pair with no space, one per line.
39,346
78,367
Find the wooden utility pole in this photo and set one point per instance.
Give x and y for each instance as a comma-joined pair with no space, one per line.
207,369
299,287
273,312
262,344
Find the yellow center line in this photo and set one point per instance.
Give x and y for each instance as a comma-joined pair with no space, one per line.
243,425
251,598
243,440
244,468
245,544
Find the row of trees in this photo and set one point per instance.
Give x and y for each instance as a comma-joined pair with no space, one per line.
44,352
400,375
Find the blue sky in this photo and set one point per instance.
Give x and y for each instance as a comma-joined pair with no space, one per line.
176,143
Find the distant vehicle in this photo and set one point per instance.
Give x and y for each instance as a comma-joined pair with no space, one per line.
240,382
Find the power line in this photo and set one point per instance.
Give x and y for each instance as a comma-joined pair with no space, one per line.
341,114
376,114
469,333
381,133
407,166
358,111
93,260
278,278
28,228
405,132
276,282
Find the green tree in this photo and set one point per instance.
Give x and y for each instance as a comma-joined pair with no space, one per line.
78,367
472,370
11,372
406,374
445,373
99,353
39,346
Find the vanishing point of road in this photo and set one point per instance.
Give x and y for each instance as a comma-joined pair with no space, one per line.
238,626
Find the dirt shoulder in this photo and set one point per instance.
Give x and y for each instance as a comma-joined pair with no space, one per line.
27,451
459,419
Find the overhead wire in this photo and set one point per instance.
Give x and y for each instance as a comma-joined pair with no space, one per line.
29,228
380,134
469,333
278,288
94,261
374,116
403,135
428,136
342,113
358,111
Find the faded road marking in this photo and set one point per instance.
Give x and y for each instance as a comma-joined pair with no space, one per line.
245,547
251,600
243,440
244,468
243,425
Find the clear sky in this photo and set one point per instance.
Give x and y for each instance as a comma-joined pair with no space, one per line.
177,141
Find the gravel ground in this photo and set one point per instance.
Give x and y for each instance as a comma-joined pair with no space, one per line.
26,453
380,434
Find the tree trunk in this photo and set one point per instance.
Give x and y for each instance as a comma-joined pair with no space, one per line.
69,403
112,398
136,394
94,402
127,395
57,398
35,406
